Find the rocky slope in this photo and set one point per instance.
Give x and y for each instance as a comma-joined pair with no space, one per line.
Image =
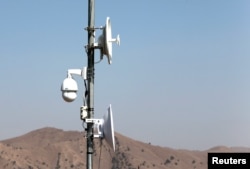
51,148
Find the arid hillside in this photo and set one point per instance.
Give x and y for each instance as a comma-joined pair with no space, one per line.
51,148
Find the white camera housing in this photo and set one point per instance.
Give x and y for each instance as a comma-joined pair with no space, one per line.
69,86
69,89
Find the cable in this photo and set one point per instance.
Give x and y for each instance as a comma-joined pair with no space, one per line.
98,61
86,93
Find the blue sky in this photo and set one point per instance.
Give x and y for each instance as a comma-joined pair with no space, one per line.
179,79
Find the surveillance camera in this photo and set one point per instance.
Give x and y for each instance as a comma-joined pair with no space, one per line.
69,89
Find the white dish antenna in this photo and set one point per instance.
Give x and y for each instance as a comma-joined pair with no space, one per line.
106,40
104,128
108,128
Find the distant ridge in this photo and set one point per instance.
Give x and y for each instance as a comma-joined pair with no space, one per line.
57,149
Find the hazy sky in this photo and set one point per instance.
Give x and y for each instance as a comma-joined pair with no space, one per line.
179,79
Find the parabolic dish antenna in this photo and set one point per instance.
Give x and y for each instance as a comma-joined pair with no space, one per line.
107,40
108,128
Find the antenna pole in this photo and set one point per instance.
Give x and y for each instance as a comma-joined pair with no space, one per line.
90,77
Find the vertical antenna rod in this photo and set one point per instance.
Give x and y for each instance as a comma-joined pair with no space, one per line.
90,77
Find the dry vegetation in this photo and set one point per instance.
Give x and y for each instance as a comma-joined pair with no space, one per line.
51,148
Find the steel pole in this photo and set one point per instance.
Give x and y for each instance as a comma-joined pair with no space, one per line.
90,76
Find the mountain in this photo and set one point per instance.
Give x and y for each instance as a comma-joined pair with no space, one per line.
51,148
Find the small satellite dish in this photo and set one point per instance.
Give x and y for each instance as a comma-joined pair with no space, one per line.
104,128
105,40
108,128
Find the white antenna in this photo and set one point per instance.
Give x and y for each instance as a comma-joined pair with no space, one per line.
105,41
108,128
104,128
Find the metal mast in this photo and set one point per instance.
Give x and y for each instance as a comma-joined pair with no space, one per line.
69,86
90,77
